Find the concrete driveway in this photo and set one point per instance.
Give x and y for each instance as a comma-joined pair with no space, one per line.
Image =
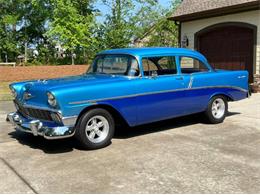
181,155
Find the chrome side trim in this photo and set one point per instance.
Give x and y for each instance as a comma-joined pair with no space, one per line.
154,93
190,83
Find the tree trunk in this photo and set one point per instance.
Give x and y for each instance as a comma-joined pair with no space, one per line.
6,58
72,59
25,53
84,56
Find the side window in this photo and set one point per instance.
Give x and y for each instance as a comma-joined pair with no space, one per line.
112,64
115,64
191,65
164,65
149,65
168,63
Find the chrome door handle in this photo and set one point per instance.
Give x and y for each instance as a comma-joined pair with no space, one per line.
179,78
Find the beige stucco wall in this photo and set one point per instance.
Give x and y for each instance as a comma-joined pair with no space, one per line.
251,17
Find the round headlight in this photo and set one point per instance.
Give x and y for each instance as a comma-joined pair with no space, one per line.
13,91
51,99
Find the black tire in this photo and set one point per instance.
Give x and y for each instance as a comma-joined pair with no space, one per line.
211,116
84,138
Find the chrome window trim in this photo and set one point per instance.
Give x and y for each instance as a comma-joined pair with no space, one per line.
154,93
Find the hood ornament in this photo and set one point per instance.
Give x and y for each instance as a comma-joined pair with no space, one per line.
42,80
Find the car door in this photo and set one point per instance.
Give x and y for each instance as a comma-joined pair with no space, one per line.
197,95
160,90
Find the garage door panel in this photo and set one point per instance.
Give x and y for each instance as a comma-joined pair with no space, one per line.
229,47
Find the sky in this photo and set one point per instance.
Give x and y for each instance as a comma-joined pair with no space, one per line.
165,3
104,9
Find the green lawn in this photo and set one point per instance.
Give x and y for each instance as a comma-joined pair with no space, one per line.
5,91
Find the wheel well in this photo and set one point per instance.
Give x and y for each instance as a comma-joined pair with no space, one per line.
119,119
229,98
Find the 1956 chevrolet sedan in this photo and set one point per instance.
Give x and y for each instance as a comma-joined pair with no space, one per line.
136,86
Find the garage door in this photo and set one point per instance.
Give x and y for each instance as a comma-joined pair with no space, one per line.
228,47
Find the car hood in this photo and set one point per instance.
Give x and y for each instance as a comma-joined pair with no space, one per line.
38,88
73,81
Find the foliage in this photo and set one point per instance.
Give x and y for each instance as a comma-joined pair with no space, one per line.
43,24
9,17
22,22
126,21
163,32
69,27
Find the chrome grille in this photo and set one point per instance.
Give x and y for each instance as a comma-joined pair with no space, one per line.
33,112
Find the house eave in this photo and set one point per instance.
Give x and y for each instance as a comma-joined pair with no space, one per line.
217,12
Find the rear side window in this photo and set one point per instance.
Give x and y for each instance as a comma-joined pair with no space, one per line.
191,65
163,65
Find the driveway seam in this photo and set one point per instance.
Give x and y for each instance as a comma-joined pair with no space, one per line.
18,175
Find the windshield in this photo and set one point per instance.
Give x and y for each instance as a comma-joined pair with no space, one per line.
115,64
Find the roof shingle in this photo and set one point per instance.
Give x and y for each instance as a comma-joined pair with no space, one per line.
192,7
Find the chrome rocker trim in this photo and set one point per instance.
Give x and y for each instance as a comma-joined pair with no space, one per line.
36,127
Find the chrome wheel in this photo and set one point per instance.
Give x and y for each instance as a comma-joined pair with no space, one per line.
218,108
97,129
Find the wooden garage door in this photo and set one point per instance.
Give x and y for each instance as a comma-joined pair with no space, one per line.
228,47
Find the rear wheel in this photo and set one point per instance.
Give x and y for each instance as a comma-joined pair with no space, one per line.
217,109
95,129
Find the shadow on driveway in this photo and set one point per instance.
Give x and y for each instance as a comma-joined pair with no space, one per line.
69,144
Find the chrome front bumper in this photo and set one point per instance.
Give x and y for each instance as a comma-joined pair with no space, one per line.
37,128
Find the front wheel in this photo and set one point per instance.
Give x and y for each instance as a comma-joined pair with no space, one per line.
95,129
217,109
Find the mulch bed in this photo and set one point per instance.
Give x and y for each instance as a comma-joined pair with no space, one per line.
21,73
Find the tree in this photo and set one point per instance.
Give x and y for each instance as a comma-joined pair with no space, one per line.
125,21
163,32
9,18
71,25
23,22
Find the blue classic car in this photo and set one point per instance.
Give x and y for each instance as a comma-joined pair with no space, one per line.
134,86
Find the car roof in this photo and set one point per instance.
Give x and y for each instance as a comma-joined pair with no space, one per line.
154,51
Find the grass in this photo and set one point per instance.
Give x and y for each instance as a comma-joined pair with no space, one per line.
5,93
